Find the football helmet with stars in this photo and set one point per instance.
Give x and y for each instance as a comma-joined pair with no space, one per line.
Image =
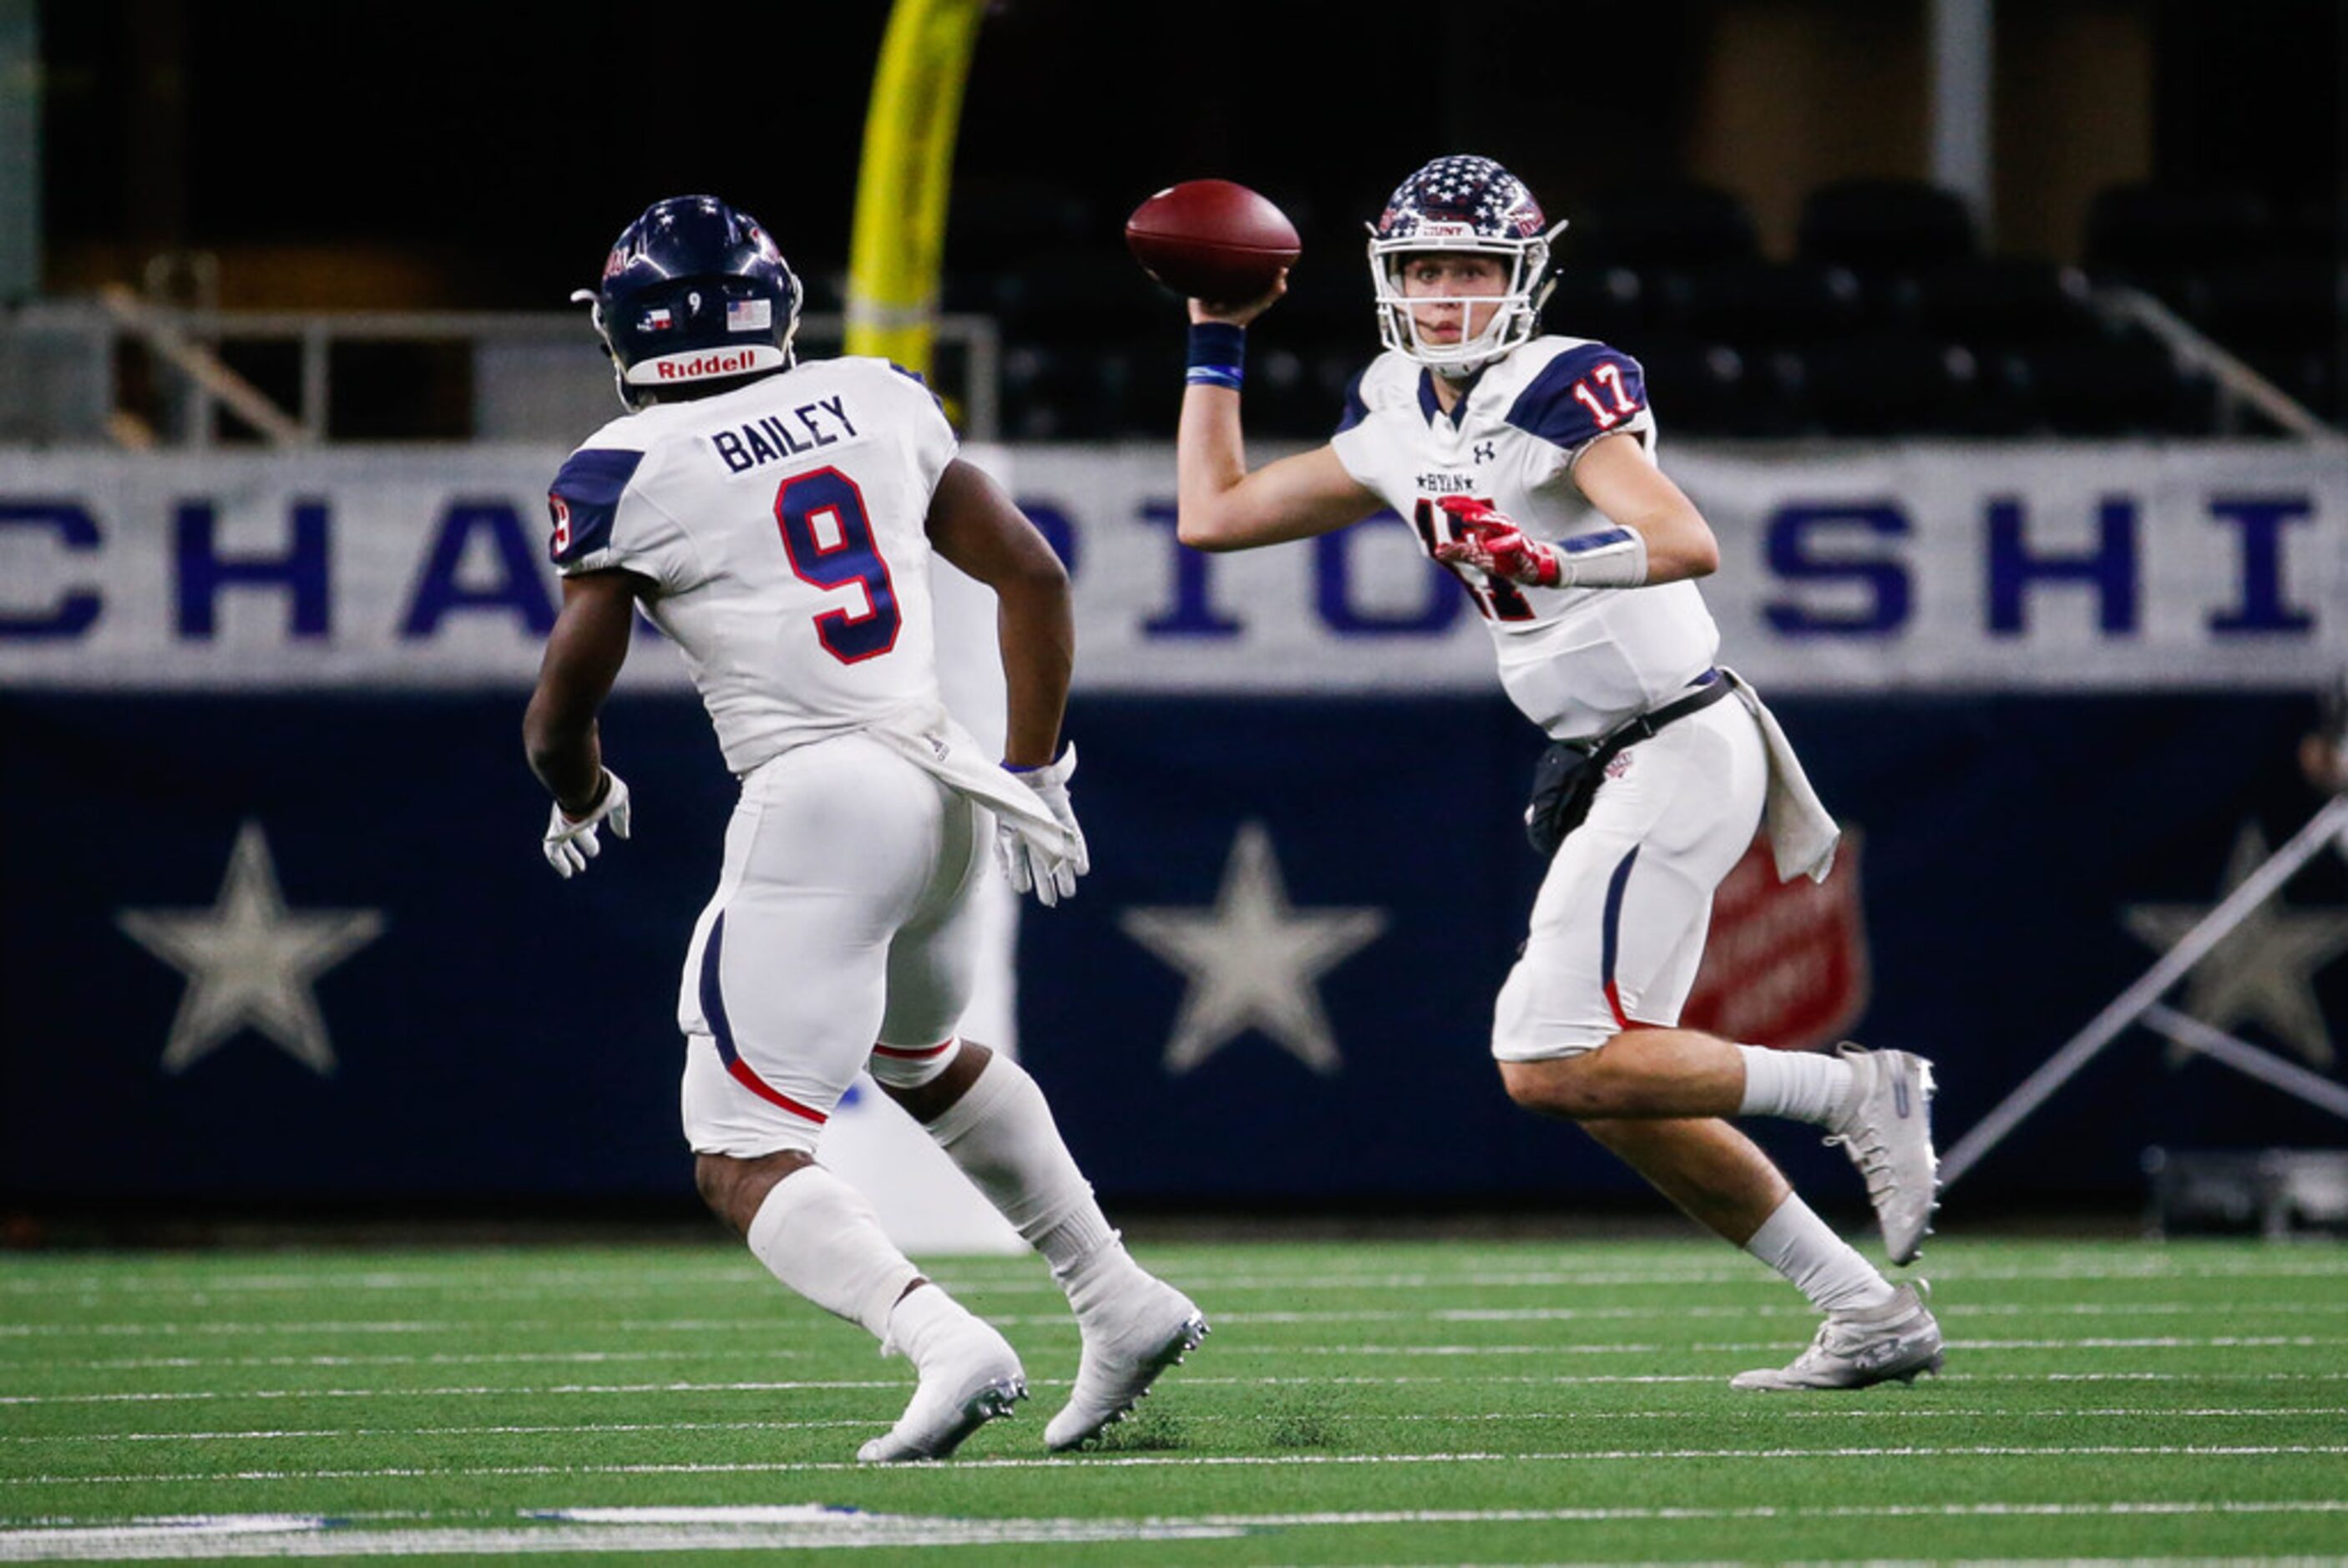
694,291
1463,204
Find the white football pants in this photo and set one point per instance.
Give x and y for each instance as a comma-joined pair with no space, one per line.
842,920
1618,927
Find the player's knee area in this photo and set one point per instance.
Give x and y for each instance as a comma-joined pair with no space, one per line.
1584,1085
897,1067
734,1186
1540,1018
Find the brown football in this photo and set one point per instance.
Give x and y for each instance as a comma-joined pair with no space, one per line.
1212,240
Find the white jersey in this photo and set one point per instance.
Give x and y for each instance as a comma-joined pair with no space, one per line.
783,526
1577,660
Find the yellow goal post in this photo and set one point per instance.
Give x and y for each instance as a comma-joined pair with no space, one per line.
897,246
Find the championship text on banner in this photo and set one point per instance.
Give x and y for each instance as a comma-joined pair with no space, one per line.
1855,569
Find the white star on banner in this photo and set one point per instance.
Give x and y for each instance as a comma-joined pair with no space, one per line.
250,961
1253,961
2263,970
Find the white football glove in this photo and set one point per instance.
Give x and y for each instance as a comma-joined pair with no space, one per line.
570,844
1027,863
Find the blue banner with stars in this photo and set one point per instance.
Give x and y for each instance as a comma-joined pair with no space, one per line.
302,949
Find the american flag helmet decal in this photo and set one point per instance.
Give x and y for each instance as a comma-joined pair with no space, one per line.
1462,189
1463,204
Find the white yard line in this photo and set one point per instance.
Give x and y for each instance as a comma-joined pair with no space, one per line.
1228,1462
447,1358
1063,1321
650,1279
490,1327
1574,1418
772,1526
810,1526
206,1395
1957,1312
1761,1346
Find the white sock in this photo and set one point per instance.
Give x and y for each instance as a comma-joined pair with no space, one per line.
918,1319
1001,1135
1822,1266
819,1236
1807,1085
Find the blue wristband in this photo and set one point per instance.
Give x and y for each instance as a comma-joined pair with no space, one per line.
1218,355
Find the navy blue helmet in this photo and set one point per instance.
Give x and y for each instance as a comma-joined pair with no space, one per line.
694,291
1463,204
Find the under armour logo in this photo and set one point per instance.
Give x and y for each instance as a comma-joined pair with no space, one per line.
1485,452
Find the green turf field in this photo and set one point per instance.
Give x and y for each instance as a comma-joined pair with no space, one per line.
1358,1403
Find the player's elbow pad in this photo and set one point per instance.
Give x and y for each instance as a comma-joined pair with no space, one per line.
1610,558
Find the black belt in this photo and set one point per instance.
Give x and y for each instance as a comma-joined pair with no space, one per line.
1570,771
1709,688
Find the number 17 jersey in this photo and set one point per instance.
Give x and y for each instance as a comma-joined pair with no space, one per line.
1576,661
783,527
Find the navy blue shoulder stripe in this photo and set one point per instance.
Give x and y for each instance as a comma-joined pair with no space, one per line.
1582,393
585,497
917,379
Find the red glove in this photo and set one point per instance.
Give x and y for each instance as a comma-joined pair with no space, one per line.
1491,543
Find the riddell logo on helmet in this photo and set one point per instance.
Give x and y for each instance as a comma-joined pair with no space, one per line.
702,364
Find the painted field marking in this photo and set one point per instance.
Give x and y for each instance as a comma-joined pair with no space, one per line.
1561,1380
1236,1462
443,1358
808,1526
1064,1322
779,1528
1576,1418
1954,1313
454,1357
628,1280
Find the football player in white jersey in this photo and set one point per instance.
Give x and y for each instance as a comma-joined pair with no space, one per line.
1526,465
777,521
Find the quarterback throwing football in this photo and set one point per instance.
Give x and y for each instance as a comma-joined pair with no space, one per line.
1526,463
778,521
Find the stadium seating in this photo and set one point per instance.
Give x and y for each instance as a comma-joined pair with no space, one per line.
1890,320
2147,231
1667,225
1885,384
2267,284
1880,226
2130,385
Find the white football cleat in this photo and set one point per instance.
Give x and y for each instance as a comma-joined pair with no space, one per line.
1127,1343
1886,1126
970,1375
1857,1349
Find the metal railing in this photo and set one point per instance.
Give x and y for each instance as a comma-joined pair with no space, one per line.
66,371
125,371
2241,389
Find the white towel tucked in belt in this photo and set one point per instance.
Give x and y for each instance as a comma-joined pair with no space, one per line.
1802,834
930,737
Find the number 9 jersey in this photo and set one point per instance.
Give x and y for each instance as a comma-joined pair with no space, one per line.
1576,661
783,527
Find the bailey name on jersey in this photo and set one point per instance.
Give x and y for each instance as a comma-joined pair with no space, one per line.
781,528
770,440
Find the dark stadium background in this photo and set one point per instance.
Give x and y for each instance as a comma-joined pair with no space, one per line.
498,144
